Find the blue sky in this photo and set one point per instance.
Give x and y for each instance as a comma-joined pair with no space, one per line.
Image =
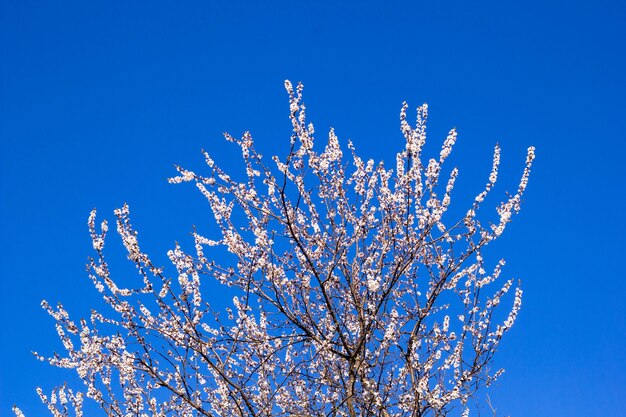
100,99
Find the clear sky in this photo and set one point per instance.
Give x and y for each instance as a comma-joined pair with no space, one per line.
100,99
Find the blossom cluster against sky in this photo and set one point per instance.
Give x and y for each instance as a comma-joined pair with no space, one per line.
100,100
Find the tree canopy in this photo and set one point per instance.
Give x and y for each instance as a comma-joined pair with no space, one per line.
357,295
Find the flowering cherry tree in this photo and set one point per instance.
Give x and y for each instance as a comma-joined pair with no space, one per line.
356,295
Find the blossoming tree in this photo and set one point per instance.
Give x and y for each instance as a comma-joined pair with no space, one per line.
356,295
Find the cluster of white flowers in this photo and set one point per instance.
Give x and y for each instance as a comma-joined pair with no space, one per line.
341,271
